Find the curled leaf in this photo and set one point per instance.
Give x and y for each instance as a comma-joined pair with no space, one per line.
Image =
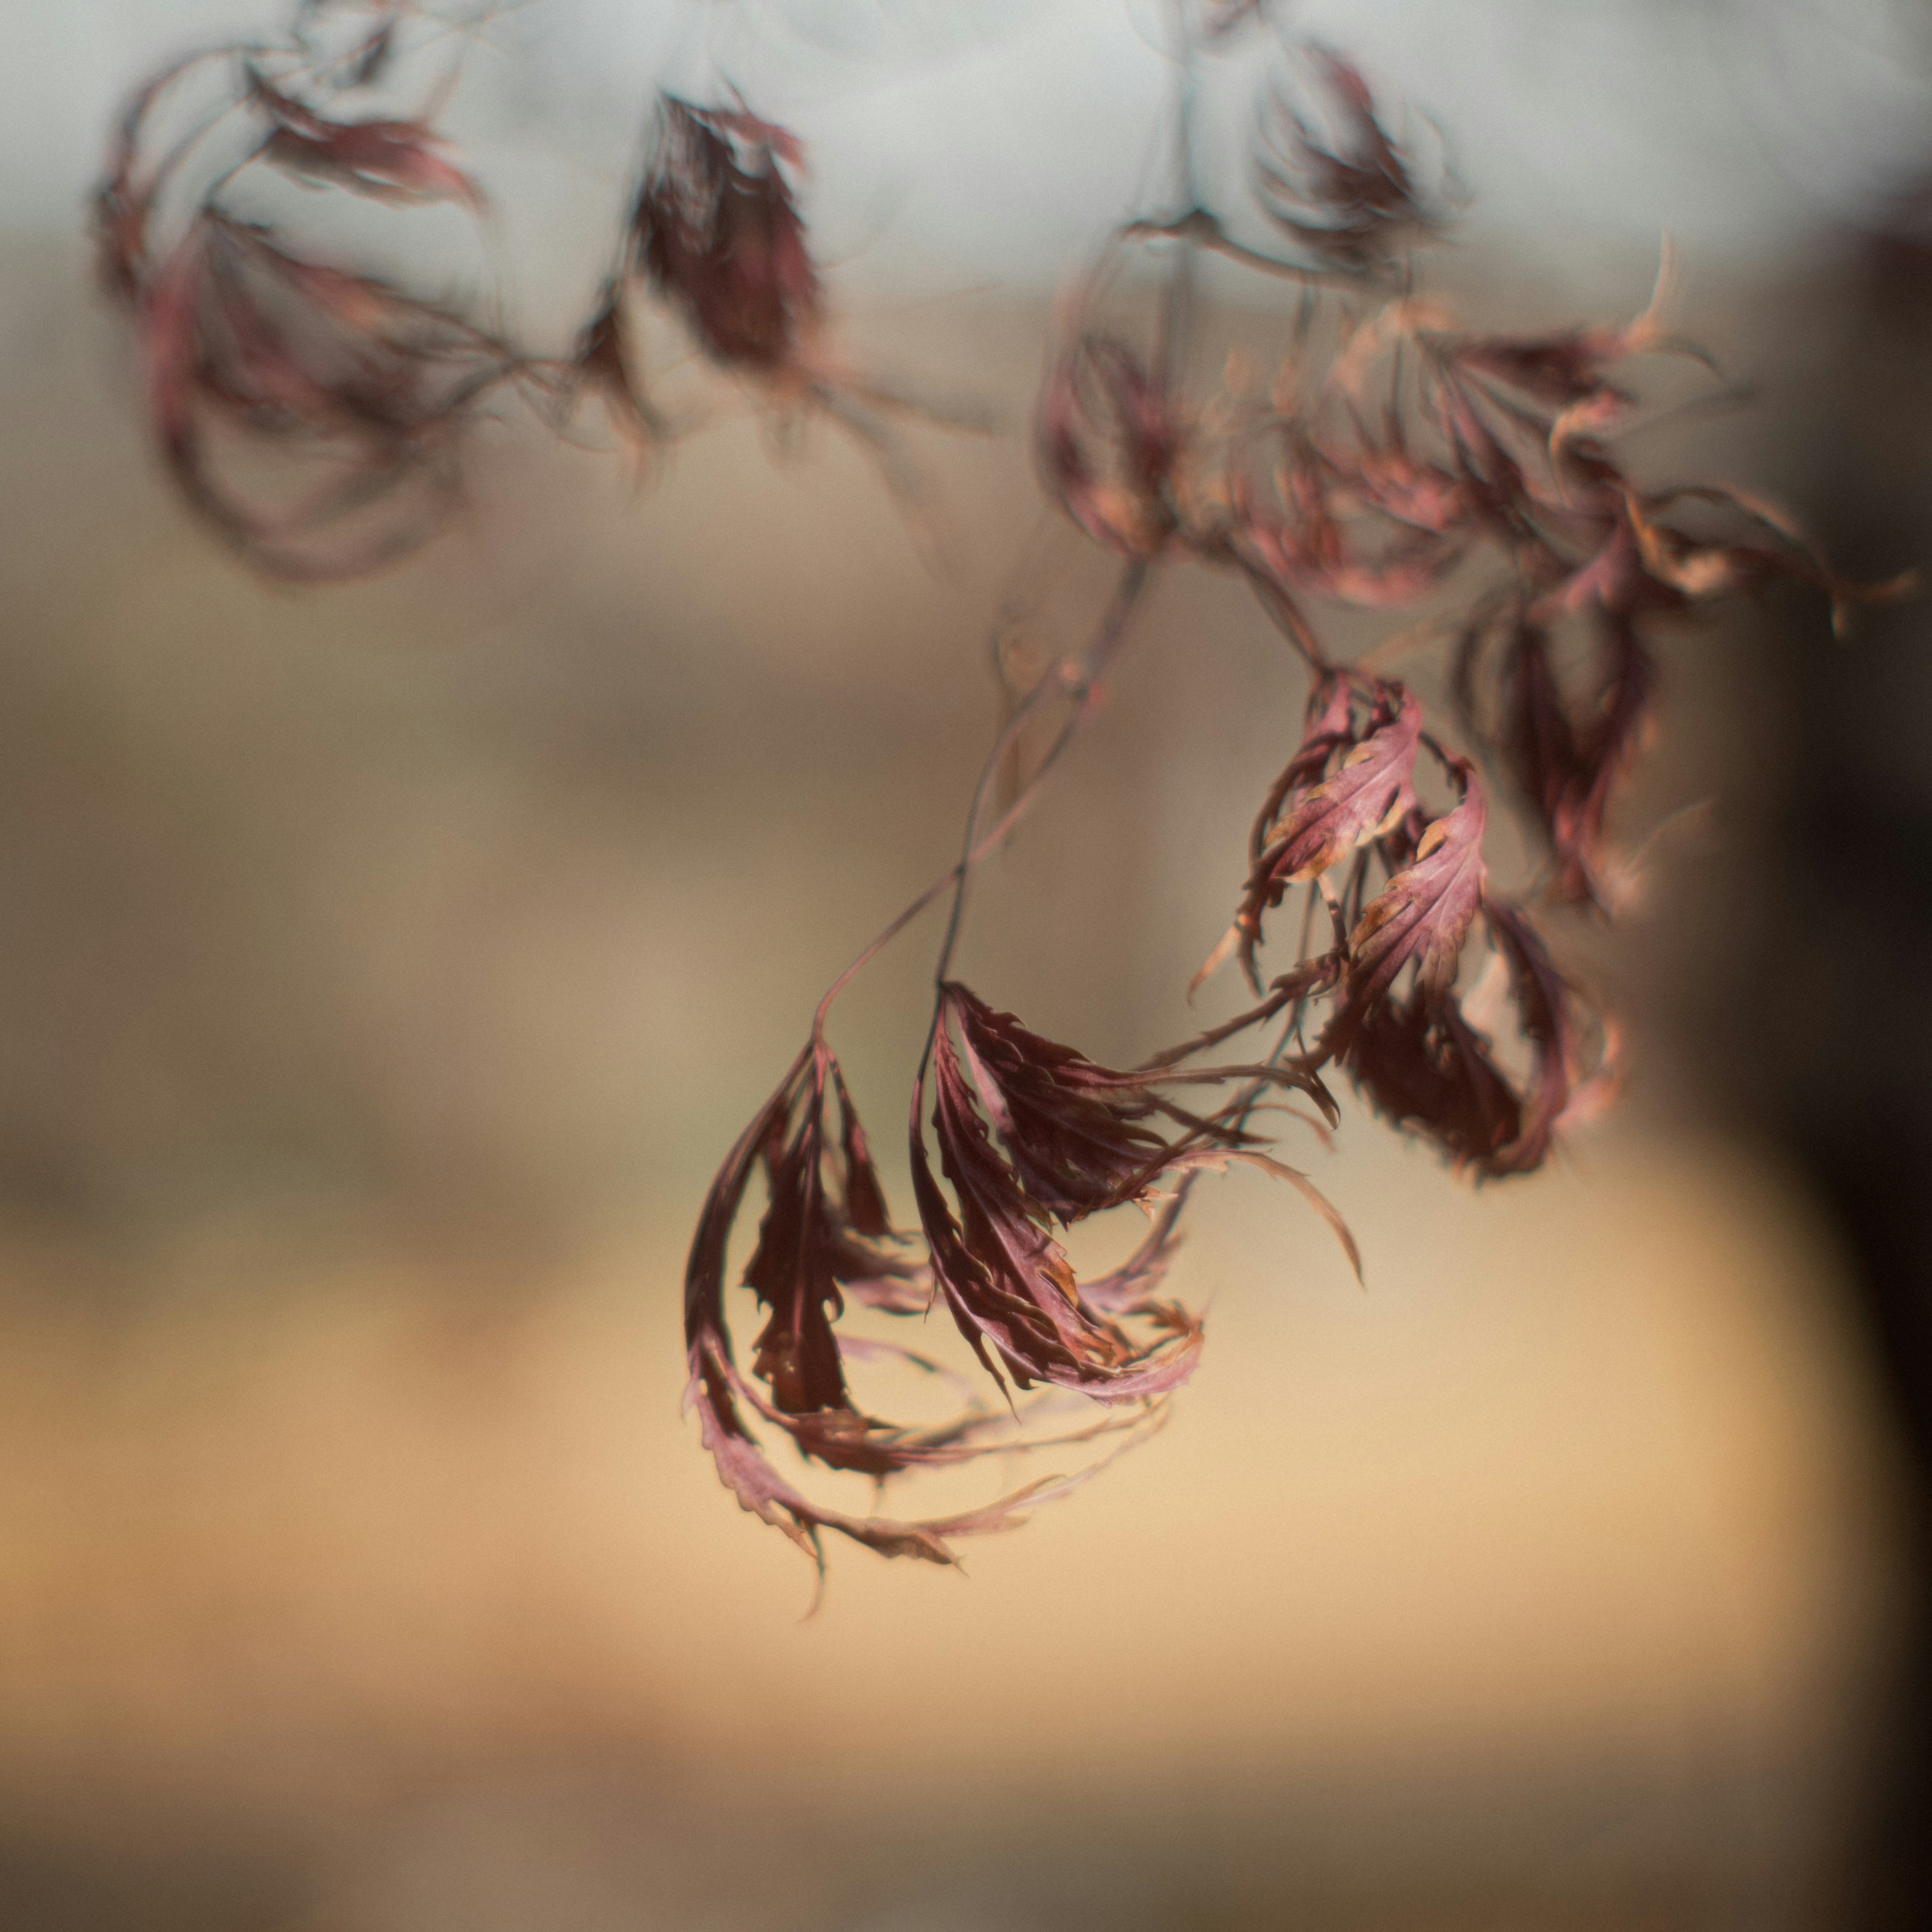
1333,178
719,234
1348,783
1109,440
250,350
1423,1065
1422,916
602,362
1074,1139
390,161
1374,528
1008,1283
825,1235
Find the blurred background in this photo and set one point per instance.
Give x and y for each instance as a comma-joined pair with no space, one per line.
386,967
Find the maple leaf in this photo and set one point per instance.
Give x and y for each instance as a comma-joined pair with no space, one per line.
1424,1066
1347,193
1108,441
387,160
123,203
1568,768
824,1227
1422,916
1314,533
719,235
1322,823
1077,1141
826,1232
1008,1283
601,360
340,372
1346,785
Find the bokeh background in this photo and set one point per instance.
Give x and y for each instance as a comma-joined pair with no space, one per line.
386,967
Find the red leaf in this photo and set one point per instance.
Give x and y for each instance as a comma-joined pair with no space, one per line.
1359,799
1545,1008
1569,769
1318,536
1346,192
1345,784
345,378
123,203
1423,1065
825,1231
601,360
1076,1141
759,1488
1423,914
720,235
1008,1283
1108,443
390,161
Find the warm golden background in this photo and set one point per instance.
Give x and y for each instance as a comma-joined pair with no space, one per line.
386,967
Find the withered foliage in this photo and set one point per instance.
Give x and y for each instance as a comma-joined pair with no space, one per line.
250,352
1396,1022
347,394
390,161
717,228
1350,781
1333,178
1072,1138
1032,1136
311,414
826,1242
1109,442
1472,485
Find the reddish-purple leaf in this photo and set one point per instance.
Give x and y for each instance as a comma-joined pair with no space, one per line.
1546,1013
601,361
1107,441
123,201
1365,794
1568,768
1076,1140
1344,190
720,235
1322,529
1423,914
750,1476
1007,1281
348,381
1423,1065
1346,785
824,1232
390,161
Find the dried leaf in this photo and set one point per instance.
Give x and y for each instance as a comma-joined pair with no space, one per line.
1109,443
123,203
1423,1065
390,161
1423,914
1344,191
825,1232
1321,527
719,235
1347,784
350,381
1008,1283
600,361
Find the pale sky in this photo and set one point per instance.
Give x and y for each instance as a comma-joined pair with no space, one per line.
1741,125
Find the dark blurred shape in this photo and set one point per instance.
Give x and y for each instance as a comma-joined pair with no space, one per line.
1845,909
